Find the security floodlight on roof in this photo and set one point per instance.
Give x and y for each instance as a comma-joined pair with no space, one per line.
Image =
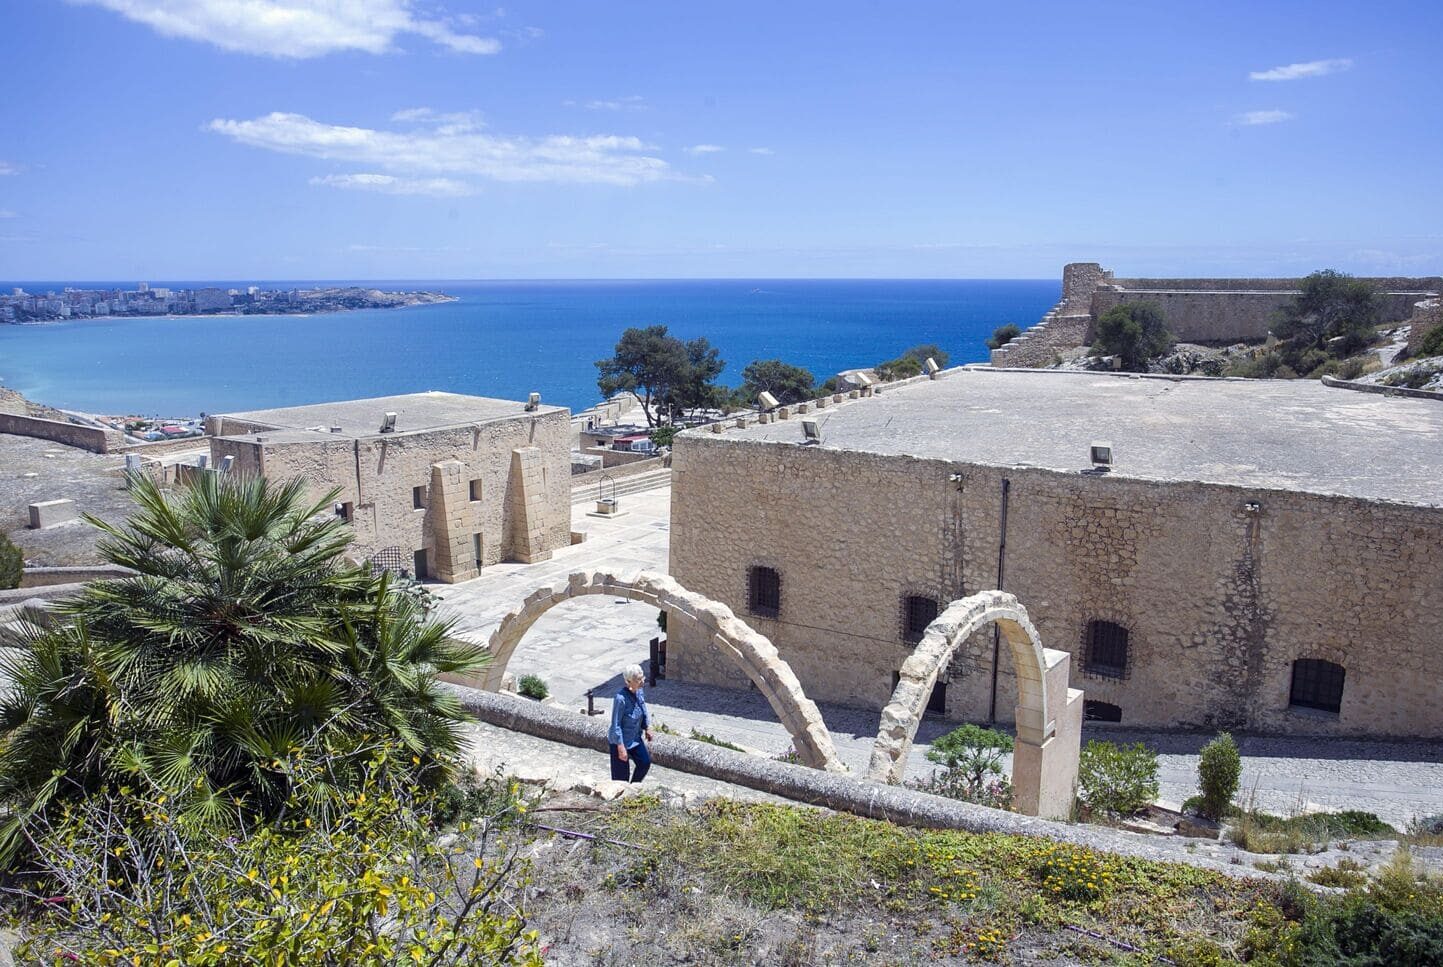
388,424
767,400
812,430
533,402
930,365
1102,455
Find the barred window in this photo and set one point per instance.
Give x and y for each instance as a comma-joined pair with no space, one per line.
918,611
1104,650
1101,711
1317,684
764,591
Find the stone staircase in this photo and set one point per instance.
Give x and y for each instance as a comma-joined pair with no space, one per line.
650,480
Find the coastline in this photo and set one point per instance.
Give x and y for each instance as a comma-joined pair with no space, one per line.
440,299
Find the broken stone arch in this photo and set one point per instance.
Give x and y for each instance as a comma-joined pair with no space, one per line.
1049,713
749,648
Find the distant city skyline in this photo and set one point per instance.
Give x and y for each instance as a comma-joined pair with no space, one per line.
398,140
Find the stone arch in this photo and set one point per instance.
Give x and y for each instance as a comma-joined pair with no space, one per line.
749,648
1049,713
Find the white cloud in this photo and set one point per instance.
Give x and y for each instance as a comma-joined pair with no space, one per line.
295,28
445,123
391,185
1254,118
1312,68
634,102
6,168
704,149
762,151
605,159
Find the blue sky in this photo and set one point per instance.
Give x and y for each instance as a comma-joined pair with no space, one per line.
276,139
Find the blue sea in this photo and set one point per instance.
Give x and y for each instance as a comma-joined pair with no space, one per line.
501,339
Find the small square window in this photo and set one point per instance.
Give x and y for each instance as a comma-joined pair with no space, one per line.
918,611
418,498
476,489
1317,685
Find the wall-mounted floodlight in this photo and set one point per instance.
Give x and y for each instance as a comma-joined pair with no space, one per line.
226,463
767,400
812,430
388,423
1101,455
930,365
533,402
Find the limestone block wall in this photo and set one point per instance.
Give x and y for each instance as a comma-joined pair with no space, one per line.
1218,599
92,438
1426,315
377,476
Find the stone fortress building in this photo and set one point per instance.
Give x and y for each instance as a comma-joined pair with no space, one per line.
450,485
1196,310
1261,555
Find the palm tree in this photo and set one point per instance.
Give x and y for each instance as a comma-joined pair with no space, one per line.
243,644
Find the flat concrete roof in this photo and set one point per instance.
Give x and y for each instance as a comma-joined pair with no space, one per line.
414,412
1275,434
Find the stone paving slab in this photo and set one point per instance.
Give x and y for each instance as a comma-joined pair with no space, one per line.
584,643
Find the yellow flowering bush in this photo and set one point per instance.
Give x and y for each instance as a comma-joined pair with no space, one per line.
122,880
1073,873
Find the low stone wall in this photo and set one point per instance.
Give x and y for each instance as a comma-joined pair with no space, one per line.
40,577
861,797
89,438
160,448
1382,390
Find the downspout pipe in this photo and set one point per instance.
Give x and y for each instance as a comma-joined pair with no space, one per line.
1001,573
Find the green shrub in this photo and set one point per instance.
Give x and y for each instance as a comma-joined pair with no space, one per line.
710,739
1073,873
1003,335
243,636
1346,875
12,564
972,761
368,884
1134,331
1351,368
1432,344
1118,779
1413,378
532,686
1219,769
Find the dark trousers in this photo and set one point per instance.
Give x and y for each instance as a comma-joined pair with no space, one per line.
637,756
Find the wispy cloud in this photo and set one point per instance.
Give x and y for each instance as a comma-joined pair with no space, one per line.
605,159
444,122
7,213
1254,118
6,168
1295,72
296,28
391,185
632,102
763,151
704,149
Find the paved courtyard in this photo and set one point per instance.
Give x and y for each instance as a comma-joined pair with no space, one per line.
582,644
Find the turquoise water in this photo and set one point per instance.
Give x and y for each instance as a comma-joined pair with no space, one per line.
502,339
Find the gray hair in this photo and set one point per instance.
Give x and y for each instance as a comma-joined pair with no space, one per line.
632,673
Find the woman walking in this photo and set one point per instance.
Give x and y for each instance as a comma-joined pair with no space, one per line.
630,724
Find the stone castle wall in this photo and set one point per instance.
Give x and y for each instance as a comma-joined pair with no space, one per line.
376,475
1426,316
92,438
1218,599
1196,310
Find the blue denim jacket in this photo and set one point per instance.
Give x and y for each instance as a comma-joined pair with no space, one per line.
629,716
